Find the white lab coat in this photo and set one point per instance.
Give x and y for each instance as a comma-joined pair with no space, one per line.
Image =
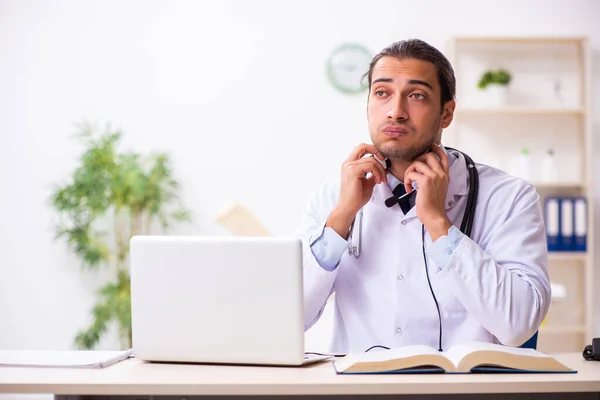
495,287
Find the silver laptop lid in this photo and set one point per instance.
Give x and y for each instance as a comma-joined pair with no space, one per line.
217,299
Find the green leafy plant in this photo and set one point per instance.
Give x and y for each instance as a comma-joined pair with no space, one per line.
110,197
494,77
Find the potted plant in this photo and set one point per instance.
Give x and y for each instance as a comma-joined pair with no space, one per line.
495,84
111,196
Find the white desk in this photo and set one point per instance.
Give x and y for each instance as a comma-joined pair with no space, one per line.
174,381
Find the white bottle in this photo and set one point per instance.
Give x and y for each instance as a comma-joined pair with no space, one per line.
524,165
549,171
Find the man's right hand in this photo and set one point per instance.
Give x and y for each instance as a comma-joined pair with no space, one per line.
356,188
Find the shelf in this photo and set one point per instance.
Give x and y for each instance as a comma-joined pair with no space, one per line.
557,330
559,185
520,39
520,111
567,256
533,116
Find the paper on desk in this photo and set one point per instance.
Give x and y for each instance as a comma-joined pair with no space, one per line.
62,358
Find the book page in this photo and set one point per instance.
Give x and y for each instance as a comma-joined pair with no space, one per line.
376,355
398,352
61,358
393,359
456,353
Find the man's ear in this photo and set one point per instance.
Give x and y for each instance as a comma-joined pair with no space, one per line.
448,113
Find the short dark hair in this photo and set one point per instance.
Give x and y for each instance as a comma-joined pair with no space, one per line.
420,50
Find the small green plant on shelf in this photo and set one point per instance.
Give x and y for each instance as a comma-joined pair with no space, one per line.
494,77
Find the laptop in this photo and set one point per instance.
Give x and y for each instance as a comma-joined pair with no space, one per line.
223,300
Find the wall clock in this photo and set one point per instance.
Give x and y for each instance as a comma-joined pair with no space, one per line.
346,65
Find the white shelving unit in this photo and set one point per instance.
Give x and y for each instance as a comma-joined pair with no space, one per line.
520,111
548,106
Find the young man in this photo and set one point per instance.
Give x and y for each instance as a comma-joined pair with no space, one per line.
417,279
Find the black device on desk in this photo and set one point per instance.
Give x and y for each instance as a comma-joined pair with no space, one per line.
591,352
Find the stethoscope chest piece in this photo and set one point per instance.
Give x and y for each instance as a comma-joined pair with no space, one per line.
354,242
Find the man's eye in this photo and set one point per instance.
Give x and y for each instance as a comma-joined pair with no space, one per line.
418,96
380,93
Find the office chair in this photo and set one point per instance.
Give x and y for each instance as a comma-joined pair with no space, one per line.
531,343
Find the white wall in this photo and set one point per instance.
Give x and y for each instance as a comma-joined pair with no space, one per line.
235,91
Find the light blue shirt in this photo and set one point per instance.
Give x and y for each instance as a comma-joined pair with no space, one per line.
327,246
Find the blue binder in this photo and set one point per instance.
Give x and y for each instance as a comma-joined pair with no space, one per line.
552,217
580,224
566,235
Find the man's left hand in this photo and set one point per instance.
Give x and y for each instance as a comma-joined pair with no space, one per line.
432,176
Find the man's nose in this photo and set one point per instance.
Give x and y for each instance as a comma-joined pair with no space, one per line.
397,110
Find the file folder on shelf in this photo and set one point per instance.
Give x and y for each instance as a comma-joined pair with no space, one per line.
566,224
580,224
552,208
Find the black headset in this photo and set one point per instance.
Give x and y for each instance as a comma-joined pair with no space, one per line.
465,227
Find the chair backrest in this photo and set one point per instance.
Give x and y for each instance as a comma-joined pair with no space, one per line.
531,343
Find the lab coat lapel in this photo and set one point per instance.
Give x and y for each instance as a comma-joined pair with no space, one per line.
458,180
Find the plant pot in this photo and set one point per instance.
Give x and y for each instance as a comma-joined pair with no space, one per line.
496,95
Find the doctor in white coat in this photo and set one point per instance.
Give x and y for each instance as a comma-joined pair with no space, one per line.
417,278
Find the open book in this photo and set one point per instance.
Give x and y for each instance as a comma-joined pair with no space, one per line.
462,358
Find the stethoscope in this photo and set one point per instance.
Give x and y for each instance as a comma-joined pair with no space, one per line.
466,226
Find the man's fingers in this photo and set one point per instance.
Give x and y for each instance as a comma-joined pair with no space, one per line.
432,161
361,150
373,166
372,180
411,177
363,166
422,168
